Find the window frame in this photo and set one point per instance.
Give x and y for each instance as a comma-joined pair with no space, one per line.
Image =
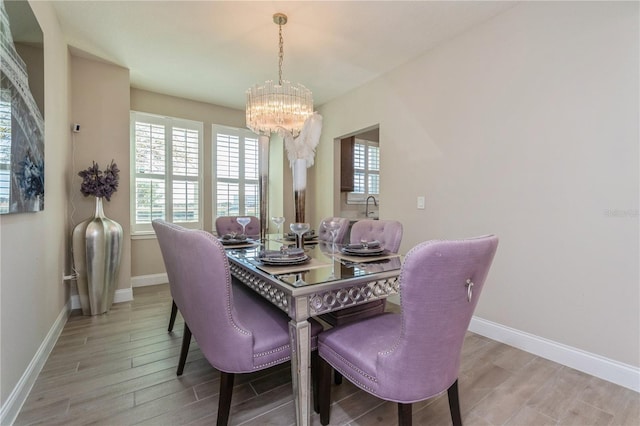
169,123
242,181
358,197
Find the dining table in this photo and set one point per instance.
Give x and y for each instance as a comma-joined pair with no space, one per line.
325,280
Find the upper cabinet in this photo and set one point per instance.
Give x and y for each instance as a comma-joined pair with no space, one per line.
346,164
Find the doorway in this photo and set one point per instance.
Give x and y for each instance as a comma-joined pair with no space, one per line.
359,166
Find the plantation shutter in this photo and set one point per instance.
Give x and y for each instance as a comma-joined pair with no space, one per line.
167,171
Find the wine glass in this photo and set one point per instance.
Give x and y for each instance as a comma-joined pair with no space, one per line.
299,229
332,226
278,221
244,221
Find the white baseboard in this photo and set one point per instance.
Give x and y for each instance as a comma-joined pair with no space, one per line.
151,279
121,295
595,365
11,408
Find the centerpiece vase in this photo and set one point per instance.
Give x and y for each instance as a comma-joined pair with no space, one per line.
263,184
299,187
97,250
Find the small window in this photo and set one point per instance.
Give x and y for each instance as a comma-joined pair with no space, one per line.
366,171
166,178
236,172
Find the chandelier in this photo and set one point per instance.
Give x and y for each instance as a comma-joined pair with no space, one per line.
284,105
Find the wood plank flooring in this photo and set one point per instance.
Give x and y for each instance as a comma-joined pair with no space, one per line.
120,369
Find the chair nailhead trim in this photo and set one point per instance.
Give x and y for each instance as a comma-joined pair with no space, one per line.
362,373
272,351
269,364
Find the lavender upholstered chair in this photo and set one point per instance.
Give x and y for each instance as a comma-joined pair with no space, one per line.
414,355
224,225
389,234
324,235
237,330
229,224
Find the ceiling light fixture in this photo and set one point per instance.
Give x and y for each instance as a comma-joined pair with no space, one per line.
284,105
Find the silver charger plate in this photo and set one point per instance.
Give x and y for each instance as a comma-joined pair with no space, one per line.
364,252
283,261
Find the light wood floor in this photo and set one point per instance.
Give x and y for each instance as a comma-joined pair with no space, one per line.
119,369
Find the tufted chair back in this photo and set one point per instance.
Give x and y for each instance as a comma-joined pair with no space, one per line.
415,355
436,312
388,232
228,224
200,284
324,235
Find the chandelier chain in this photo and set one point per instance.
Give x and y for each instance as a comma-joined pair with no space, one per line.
280,56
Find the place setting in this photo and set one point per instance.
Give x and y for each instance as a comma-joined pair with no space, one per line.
286,260
364,251
364,248
283,257
238,239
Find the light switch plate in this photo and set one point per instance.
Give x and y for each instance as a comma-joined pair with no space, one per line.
421,202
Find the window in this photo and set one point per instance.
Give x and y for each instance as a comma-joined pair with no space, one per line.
166,182
236,172
366,171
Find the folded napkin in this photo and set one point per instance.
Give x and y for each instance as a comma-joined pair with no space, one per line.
281,254
234,236
359,246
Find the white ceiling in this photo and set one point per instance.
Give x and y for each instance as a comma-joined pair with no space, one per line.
213,51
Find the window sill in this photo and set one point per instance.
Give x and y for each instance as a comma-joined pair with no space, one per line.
143,235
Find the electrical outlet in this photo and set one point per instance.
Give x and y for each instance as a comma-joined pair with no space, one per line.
421,202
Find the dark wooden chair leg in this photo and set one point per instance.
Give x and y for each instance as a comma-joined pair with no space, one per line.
315,378
174,312
324,391
405,417
454,404
186,341
337,378
224,401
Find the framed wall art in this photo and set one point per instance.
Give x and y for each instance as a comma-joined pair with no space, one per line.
21,109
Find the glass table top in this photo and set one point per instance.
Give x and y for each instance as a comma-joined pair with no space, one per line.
325,264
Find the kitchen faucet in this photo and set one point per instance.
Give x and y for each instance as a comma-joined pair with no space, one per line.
375,203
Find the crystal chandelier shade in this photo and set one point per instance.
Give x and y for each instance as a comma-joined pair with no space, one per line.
285,104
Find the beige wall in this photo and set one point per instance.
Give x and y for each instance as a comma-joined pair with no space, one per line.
100,104
34,246
526,127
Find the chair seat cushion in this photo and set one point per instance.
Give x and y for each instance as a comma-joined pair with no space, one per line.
268,325
352,349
